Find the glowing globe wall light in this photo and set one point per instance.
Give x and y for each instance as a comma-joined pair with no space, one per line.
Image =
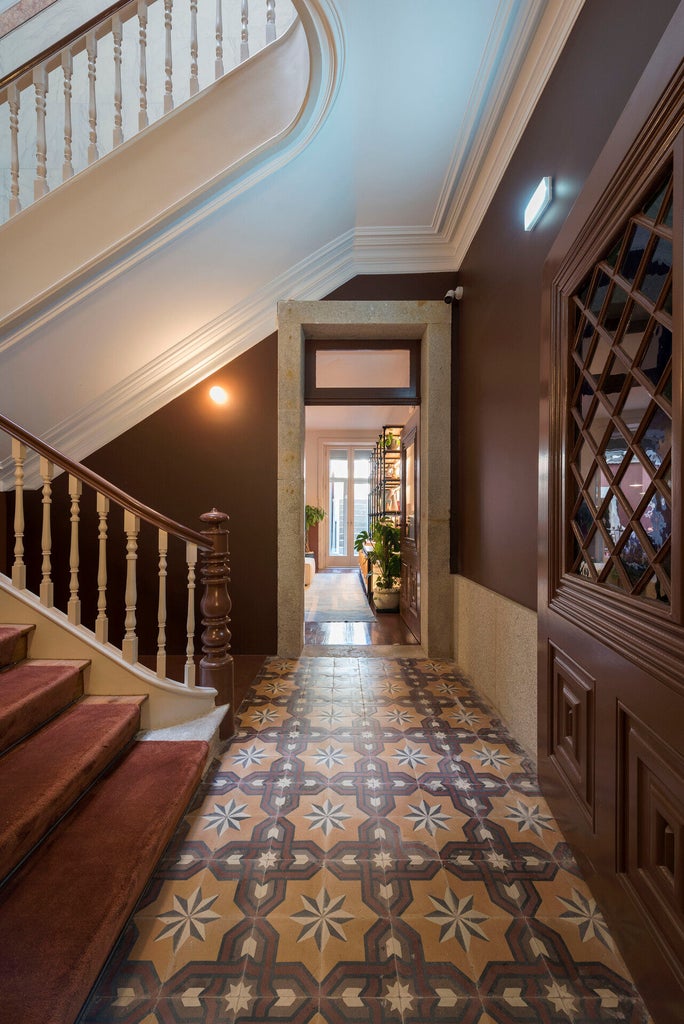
218,395
541,198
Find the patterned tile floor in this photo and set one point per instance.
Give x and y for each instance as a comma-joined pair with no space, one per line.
372,847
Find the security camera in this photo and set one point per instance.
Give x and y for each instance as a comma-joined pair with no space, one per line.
454,293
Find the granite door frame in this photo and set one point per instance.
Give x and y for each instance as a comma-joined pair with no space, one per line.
430,323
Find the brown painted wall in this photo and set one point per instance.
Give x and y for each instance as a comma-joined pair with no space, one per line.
496,459
183,460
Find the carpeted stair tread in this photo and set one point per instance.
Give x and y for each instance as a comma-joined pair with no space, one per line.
33,692
43,776
62,912
14,643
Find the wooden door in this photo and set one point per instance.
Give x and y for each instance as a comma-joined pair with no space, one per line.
410,524
611,671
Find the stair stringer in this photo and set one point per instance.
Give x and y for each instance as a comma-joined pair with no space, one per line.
185,166
168,703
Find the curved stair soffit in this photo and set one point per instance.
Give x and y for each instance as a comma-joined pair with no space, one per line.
324,38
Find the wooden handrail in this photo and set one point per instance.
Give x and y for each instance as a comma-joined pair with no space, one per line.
87,476
55,48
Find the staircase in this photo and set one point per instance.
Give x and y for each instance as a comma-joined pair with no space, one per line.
85,813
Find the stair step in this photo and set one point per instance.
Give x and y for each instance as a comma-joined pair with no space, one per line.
62,912
34,692
42,777
14,643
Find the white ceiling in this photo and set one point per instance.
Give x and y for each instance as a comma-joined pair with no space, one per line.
432,98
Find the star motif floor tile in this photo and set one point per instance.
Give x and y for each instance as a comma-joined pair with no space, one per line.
371,847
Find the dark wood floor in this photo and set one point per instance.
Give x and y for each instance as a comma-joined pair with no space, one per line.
387,628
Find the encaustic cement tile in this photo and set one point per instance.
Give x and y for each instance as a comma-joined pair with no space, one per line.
371,847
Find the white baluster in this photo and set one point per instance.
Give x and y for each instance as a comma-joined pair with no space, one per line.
13,98
67,70
40,83
161,617
74,604
244,30
19,567
142,21
129,647
47,591
191,557
194,81
270,21
91,48
117,35
102,622
218,63
168,60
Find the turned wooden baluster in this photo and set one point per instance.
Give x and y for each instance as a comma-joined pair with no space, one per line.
191,559
13,98
102,622
129,647
74,603
194,49
19,566
91,49
142,22
270,21
47,590
216,666
244,30
40,83
218,63
117,36
168,57
67,71
161,613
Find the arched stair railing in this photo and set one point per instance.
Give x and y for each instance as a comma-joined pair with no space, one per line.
108,80
210,546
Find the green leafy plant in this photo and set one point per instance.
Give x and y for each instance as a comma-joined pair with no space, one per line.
360,540
385,554
313,514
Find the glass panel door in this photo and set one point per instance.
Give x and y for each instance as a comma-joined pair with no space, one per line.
347,512
338,504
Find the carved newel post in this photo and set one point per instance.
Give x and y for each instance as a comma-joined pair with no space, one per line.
216,667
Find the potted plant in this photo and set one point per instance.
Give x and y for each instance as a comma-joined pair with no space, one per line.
386,559
313,515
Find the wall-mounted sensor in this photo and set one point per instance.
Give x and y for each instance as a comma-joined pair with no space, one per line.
454,293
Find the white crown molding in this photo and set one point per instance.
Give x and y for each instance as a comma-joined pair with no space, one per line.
191,360
390,250
508,41
503,128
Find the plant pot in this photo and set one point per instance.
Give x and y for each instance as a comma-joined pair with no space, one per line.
385,600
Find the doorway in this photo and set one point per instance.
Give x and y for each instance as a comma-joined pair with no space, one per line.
342,478
429,323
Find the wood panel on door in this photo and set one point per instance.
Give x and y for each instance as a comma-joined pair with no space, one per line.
410,525
611,615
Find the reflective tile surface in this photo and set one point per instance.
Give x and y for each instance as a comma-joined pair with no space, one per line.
371,847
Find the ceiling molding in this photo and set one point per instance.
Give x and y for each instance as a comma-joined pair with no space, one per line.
191,360
389,250
508,42
538,45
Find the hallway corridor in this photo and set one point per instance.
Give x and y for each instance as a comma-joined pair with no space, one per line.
371,847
